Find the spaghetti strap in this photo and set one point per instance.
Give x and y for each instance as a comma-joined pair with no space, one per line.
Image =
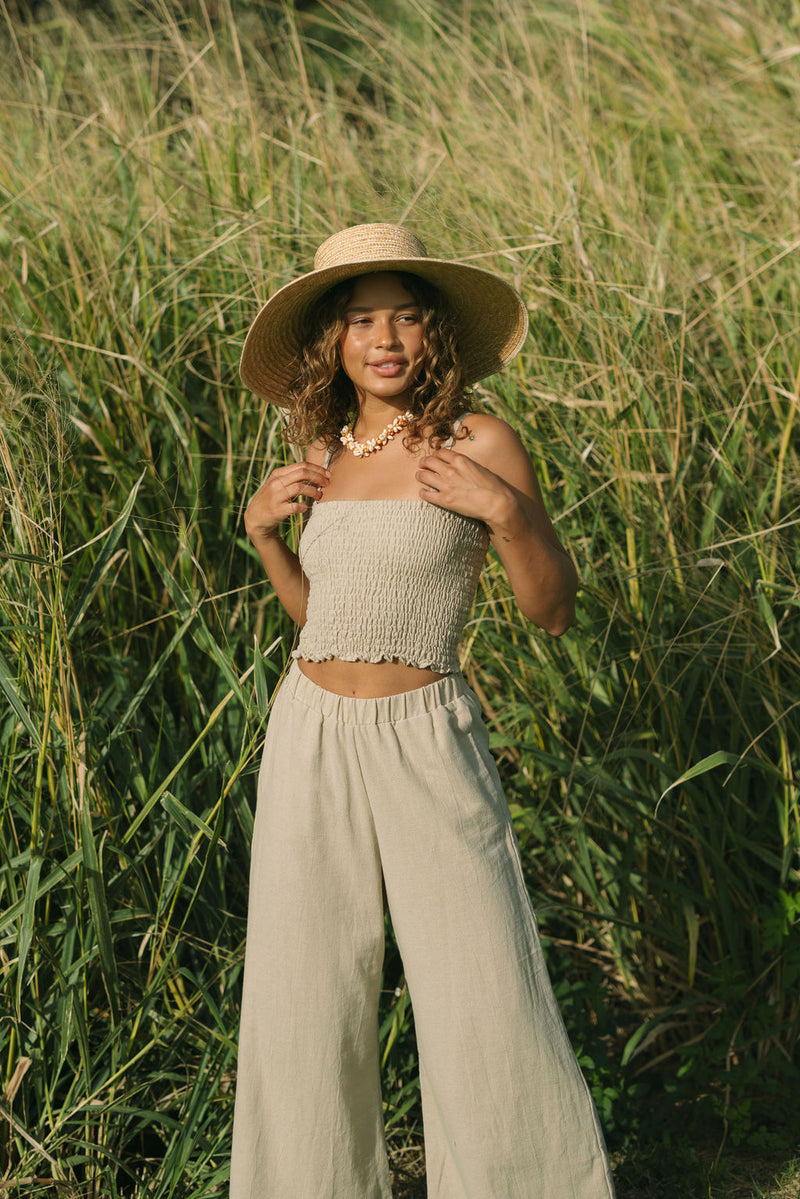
457,423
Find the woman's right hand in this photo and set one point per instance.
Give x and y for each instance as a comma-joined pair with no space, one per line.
284,493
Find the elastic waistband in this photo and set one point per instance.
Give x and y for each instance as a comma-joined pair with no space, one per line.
384,709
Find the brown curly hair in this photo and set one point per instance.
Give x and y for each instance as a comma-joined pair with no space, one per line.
322,399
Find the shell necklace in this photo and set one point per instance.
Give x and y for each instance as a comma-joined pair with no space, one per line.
363,449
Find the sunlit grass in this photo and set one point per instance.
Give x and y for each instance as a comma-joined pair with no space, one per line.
633,169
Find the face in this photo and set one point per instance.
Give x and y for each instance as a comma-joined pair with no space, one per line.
382,348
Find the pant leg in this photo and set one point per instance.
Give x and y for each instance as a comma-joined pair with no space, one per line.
308,1115
507,1112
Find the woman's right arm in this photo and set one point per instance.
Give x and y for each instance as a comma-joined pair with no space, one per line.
284,493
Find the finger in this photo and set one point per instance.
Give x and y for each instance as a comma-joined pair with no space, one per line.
294,491
312,490
444,455
305,487
443,465
299,472
430,481
305,471
315,468
293,503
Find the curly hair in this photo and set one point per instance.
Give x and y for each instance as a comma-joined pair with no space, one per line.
322,399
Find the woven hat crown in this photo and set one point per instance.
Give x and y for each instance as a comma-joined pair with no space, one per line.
368,243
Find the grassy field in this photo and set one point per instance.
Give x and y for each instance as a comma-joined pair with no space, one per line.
633,169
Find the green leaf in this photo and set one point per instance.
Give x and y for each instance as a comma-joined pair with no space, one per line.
99,909
28,915
111,535
719,758
260,680
8,683
53,880
185,816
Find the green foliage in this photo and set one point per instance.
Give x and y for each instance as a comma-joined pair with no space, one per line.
633,169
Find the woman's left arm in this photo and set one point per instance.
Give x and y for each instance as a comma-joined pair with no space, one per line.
492,479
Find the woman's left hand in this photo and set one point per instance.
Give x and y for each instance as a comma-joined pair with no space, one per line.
502,490
455,481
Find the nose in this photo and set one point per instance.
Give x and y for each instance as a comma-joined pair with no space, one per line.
385,333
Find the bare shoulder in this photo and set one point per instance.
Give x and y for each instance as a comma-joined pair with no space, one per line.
316,452
492,442
488,434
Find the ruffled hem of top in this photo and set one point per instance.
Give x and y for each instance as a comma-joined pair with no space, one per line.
422,664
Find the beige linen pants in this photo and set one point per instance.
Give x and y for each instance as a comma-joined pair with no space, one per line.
400,790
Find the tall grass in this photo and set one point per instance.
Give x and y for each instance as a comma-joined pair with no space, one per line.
633,169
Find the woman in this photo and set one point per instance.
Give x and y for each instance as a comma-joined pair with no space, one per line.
376,776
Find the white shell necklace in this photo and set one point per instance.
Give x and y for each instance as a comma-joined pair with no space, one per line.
363,449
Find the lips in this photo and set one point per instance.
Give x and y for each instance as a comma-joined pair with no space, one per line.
388,368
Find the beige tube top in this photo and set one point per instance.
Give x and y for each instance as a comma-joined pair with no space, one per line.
389,579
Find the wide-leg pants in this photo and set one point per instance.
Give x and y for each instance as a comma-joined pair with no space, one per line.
401,792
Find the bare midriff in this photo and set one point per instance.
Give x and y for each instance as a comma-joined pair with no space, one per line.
366,680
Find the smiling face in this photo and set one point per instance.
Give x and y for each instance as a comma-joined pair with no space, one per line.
383,345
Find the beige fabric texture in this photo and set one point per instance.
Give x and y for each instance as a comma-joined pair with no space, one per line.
389,579
400,790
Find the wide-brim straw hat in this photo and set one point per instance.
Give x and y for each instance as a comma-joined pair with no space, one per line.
490,317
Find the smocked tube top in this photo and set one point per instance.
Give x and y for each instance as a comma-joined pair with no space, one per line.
389,579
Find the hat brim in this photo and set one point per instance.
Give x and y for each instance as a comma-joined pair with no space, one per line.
490,316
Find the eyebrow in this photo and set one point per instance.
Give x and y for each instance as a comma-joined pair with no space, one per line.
397,307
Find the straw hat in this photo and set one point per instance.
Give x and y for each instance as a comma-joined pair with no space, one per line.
491,319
